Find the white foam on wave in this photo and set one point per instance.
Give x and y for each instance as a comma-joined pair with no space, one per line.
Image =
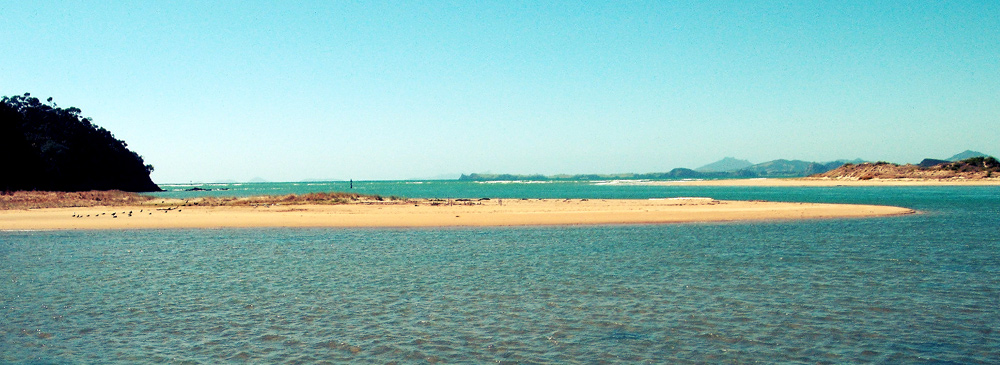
621,182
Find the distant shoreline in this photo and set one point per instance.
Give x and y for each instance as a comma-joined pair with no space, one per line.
427,213
758,181
807,181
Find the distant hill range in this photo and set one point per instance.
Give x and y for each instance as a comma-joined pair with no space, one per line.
727,164
792,168
960,166
966,155
727,168
968,164
931,162
51,148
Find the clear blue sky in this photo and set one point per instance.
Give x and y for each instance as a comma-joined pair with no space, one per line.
212,91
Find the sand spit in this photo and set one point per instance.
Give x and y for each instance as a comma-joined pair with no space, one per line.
431,213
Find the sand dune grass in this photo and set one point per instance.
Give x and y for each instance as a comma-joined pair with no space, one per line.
60,199
321,198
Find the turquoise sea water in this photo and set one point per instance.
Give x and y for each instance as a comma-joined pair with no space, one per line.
917,288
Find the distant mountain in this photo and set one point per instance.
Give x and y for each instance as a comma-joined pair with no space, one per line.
966,155
678,173
725,165
780,168
776,168
930,162
792,168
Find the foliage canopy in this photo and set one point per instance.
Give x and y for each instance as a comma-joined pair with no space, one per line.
52,148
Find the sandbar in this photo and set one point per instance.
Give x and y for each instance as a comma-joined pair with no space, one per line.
495,212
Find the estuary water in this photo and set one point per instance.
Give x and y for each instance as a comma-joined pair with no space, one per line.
907,289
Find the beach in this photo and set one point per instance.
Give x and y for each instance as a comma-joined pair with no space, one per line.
432,213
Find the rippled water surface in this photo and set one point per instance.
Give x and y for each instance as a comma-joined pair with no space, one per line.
901,289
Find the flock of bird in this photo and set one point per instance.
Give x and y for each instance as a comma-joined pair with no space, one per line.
129,213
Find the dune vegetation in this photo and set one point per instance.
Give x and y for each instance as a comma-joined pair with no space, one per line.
60,199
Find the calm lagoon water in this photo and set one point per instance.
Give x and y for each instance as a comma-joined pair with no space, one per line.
918,288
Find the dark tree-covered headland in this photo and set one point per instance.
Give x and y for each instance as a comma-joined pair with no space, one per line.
45,147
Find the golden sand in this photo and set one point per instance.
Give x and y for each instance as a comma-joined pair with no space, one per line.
423,213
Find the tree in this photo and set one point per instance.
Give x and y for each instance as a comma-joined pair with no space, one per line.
50,148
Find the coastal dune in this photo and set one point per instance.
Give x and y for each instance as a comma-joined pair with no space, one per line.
824,182
425,213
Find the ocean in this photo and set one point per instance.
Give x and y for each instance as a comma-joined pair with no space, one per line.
905,289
